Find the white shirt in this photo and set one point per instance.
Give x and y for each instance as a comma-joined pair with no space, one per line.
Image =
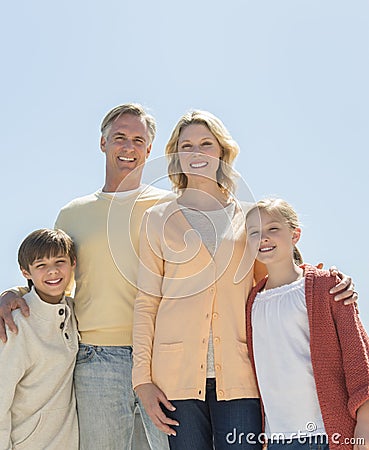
281,341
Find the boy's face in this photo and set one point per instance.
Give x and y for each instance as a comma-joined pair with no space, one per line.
50,276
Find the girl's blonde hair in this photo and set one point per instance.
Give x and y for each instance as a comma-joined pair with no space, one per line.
285,210
226,175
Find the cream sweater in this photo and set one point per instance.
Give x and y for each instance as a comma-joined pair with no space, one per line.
105,230
37,404
183,292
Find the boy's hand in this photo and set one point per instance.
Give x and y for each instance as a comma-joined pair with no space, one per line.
345,289
151,397
9,301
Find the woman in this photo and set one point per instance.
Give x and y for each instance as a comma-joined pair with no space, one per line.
191,365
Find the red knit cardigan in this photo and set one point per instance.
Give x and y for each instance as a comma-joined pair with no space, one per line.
339,347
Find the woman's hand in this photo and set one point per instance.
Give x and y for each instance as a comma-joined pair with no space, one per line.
151,397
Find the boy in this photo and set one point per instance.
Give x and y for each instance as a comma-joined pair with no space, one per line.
37,403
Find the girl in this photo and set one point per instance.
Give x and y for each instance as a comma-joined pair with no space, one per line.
310,353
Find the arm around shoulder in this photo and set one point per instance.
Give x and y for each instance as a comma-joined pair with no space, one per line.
9,301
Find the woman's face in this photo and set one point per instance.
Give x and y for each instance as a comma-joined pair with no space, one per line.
199,152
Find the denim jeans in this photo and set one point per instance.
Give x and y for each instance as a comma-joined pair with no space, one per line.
212,424
106,402
312,443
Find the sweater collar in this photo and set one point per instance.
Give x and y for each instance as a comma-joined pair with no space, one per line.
46,310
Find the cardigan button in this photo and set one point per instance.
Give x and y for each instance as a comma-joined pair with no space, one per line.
62,325
220,393
216,340
215,315
61,312
217,367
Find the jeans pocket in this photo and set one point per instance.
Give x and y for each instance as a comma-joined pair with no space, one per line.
85,353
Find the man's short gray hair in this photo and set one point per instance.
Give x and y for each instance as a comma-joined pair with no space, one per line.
129,108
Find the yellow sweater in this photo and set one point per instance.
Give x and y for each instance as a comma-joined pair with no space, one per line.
183,291
105,230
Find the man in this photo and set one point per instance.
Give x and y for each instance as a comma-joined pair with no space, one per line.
105,227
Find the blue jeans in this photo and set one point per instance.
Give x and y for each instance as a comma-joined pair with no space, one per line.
106,402
213,424
312,443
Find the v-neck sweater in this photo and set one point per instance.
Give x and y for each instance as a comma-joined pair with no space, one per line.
183,291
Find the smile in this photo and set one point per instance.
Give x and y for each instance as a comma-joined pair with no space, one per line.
125,158
53,282
198,165
266,249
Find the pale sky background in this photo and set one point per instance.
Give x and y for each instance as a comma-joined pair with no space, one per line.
289,78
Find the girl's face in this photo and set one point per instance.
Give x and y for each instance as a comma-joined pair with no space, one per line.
199,152
270,237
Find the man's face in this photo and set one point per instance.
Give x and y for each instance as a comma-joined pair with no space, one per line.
126,147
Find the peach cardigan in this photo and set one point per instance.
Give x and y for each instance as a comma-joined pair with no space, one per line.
183,291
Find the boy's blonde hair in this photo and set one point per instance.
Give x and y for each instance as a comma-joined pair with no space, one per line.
45,243
226,175
282,208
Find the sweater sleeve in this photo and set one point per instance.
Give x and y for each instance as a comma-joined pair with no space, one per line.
354,343
61,224
260,271
13,361
150,276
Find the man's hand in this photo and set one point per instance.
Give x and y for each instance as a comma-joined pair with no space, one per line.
9,301
345,289
151,397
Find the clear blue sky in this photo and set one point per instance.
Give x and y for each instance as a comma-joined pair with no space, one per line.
289,78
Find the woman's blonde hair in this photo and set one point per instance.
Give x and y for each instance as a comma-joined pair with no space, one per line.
226,175
285,210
